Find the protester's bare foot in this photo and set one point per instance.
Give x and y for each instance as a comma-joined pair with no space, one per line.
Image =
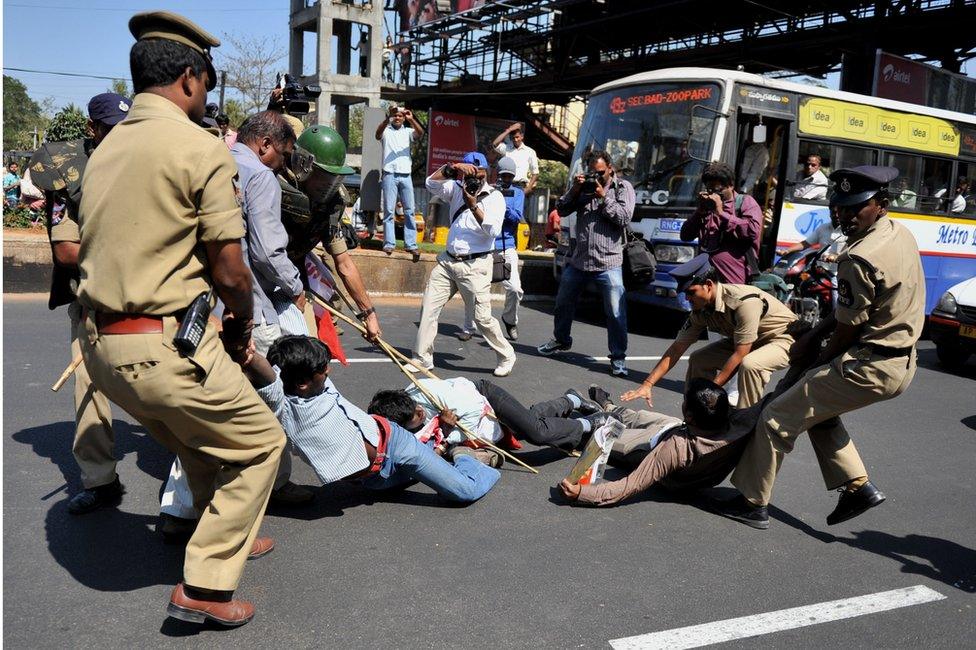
570,490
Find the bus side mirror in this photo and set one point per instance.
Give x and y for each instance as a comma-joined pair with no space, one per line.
759,133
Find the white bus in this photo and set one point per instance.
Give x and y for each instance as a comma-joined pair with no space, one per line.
662,127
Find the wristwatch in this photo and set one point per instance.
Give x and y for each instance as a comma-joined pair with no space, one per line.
365,313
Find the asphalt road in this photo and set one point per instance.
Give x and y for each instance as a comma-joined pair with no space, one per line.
517,569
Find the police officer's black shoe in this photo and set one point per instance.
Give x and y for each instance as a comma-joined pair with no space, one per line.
742,510
852,504
587,407
97,497
175,530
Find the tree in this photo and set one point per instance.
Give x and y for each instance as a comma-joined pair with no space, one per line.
70,123
553,176
251,65
356,115
120,87
235,112
21,115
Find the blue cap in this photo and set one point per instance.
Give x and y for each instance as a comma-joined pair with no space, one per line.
859,184
108,108
475,158
686,274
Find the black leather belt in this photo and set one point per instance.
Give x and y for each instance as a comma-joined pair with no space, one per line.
890,353
465,258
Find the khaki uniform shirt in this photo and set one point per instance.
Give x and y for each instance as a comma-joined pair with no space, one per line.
881,285
741,313
156,189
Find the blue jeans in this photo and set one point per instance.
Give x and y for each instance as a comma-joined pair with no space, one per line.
611,285
408,459
398,186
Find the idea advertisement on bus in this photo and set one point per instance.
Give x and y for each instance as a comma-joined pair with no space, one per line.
451,135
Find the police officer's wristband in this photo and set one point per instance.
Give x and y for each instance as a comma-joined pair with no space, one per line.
363,315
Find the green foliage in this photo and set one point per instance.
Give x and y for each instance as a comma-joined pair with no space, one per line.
120,87
356,115
20,217
234,110
553,176
68,124
21,115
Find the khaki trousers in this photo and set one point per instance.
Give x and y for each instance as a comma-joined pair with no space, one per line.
94,443
472,278
754,371
204,410
853,380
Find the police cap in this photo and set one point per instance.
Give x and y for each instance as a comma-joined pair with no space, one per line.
859,184
691,272
108,108
173,27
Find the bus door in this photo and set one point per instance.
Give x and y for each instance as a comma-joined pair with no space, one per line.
762,142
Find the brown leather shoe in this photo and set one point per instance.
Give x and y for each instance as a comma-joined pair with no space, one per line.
261,547
231,613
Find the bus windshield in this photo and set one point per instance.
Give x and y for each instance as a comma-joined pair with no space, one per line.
652,132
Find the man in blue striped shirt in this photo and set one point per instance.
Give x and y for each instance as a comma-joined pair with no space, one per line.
340,441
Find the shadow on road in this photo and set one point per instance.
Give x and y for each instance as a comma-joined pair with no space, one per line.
111,550
53,441
931,557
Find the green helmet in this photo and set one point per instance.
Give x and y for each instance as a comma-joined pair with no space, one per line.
320,146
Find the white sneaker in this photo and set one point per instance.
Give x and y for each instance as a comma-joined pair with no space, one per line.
505,368
618,368
416,365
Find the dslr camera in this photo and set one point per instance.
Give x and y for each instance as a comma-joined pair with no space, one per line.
590,180
295,97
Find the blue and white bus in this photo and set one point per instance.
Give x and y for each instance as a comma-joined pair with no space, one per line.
662,127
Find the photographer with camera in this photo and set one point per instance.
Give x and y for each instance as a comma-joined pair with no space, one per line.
477,213
604,205
727,225
397,180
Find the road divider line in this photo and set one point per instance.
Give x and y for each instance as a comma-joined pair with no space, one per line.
696,636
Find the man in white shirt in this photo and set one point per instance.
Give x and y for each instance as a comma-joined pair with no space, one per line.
812,183
397,181
958,202
526,160
824,235
477,211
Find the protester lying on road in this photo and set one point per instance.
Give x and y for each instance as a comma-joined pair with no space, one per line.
494,415
696,453
340,441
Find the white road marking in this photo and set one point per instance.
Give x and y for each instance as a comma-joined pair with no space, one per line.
696,636
388,360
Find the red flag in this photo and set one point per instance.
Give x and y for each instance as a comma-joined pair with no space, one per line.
328,335
322,283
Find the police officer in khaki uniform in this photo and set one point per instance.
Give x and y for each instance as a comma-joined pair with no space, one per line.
753,323
870,356
57,168
161,224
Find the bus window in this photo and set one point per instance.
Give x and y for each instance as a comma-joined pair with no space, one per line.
655,136
810,184
966,179
935,193
905,189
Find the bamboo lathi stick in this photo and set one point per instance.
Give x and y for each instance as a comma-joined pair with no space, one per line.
77,361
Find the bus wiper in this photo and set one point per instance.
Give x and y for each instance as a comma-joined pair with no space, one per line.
653,176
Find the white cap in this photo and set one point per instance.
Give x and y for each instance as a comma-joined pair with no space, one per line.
506,165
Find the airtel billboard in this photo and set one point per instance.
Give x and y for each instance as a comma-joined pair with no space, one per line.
453,134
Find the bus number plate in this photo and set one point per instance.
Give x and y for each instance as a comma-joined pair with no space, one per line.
670,225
